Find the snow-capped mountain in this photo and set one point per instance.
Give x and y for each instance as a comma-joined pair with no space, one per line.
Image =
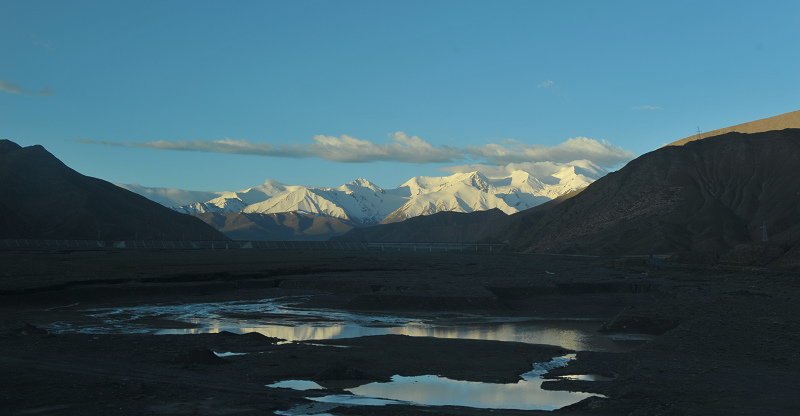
461,192
473,191
228,202
361,202
237,201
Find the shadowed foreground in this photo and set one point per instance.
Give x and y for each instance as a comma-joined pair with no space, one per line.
727,342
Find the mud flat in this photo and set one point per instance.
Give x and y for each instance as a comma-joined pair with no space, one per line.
726,340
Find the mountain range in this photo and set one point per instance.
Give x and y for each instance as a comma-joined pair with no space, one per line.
270,210
710,194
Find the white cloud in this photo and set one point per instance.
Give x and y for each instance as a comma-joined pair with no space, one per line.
646,107
545,84
13,88
402,148
602,153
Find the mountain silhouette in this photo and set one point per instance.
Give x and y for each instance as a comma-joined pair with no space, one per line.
42,198
705,195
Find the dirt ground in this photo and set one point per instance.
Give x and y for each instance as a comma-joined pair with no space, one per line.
728,339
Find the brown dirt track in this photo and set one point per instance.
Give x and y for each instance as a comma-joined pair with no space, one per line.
730,346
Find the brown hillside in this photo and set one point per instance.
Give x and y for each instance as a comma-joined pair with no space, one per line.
42,198
706,195
780,122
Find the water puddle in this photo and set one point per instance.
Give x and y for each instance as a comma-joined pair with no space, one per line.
296,385
229,354
279,318
429,390
586,377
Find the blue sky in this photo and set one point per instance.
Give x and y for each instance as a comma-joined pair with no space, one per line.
213,95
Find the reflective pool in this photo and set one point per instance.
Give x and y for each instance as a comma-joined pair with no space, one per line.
430,390
279,318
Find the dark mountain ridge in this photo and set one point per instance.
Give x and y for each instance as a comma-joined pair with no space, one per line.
445,226
706,195
42,198
455,227
286,226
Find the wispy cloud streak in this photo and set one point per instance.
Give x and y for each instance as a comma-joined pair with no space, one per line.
345,149
13,88
400,148
647,107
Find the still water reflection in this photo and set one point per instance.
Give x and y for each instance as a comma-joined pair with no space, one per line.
430,390
277,318
573,335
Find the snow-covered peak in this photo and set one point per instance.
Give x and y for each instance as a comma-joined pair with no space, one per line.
262,192
228,202
363,202
419,184
269,187
473,179
565,172
474,191
524,182
365,183
304,200
361,186
588,169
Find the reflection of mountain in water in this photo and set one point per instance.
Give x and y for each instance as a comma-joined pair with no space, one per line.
573,335
275,318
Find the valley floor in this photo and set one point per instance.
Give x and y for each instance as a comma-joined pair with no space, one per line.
727,339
